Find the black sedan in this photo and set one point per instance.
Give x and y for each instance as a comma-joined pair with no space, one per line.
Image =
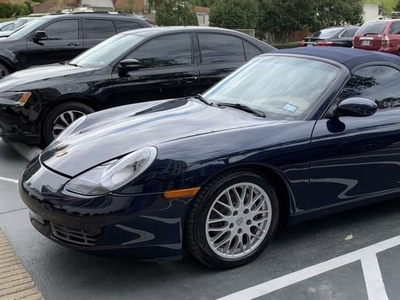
217,174
333,36
135,66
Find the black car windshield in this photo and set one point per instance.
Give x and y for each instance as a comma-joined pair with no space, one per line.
28,28
281,86
106,52
327,33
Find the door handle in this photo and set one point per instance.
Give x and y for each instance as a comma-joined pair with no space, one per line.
74,44
190,79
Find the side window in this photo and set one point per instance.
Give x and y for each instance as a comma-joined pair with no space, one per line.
169,50
377,83
394,28
126,25
220,48
99,28
63,30
251,51
351,32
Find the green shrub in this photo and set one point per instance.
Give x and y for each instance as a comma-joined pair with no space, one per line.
6,10
286,46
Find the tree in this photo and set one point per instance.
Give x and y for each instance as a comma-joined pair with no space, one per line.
387,5
280,18
234,14
397,7
337,13
174,12
206,3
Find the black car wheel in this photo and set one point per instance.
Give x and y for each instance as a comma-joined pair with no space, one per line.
3,70
232,219
61,117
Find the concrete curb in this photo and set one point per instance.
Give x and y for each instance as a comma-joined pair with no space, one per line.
28,152
15,282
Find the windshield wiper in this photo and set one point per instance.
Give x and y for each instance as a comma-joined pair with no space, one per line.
75,65
368,33
243,107
202,99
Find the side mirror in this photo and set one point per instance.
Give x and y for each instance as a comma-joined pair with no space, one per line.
129,64
40,36
356,107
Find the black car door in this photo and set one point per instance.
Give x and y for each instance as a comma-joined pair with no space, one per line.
358,158
64,42
220,55
167,70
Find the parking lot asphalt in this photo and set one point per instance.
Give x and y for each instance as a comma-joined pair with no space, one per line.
352,255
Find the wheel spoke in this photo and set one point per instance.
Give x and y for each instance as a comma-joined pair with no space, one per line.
259,205
235,246
219,213
58,127
212,221
224,204
228,196
262,219
223,242
218,235
243,196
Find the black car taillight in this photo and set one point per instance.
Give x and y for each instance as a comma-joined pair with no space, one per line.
324,43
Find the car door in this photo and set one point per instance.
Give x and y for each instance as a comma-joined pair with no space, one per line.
358,158
96,31
220,55
394,35
167,70
64,42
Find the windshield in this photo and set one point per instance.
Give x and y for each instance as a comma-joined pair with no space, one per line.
106,52
372,28
327,33
28,28
282,87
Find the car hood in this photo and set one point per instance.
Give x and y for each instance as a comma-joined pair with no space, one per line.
21,80
115,132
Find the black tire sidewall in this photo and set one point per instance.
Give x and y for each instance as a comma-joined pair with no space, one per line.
209,256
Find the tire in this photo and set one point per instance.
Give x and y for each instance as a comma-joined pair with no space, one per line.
3,70
60,117
223,233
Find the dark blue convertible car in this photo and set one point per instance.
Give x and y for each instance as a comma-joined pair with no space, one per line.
290,136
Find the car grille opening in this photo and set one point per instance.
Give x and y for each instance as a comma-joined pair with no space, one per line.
73,236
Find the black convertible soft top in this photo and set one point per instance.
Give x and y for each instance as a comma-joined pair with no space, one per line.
351,58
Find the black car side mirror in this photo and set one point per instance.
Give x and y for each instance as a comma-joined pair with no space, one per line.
356,107
40,35
129,64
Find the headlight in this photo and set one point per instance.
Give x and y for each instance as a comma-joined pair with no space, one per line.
16,98
111,176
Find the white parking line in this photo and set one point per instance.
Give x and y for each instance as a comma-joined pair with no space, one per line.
8,179
373,277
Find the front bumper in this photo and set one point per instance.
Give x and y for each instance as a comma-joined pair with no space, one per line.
144,226
18,125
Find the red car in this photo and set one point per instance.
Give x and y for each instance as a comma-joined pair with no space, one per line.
380,35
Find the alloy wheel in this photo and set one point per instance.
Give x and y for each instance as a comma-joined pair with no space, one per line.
238,220
64,120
